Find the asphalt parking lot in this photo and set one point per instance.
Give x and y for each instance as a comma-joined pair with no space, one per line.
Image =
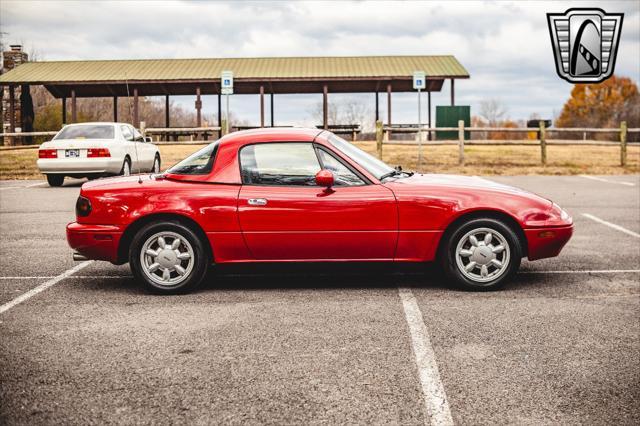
561,344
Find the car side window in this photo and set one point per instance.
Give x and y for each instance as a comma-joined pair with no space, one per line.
126,133
343,176
279,164
137,136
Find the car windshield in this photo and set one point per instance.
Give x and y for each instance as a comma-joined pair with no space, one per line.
366,160
198,163
87,131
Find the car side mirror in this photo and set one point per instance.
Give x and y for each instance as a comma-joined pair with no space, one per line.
148,139
325,178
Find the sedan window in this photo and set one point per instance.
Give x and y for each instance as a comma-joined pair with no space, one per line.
86,131
126,133
279,164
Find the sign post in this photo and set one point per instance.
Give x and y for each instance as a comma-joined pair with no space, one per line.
226,88
419,83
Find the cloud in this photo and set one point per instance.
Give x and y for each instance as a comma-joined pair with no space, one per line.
504,45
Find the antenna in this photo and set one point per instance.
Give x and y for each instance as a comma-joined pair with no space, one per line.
135,144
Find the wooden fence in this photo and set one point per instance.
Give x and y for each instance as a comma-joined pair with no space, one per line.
542,141
383,137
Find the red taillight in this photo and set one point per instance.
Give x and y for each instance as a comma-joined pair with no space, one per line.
48,153
98,152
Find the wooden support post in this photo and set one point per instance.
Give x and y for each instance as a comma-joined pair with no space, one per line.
74,107
388,133
389,104
377,107
543,143
136,118
198,108
167,113
223,127
143,128
64,110
429,112
115,109
379,138
12,114
220,114
623,143
453,92
261,106
271,96
461,142
325,107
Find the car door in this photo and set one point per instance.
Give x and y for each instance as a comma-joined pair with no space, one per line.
129,145
146,150
284,215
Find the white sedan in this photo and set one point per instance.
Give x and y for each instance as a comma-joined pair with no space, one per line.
97,149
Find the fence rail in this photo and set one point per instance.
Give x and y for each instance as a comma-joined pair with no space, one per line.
382,137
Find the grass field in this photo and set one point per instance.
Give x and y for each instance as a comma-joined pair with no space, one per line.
480,160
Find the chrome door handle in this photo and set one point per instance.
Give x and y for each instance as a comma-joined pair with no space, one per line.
257,201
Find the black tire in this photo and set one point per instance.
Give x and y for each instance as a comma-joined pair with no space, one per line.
126,165
468,280
55,180
194,275
159,161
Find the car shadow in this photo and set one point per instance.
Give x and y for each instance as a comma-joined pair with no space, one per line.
277,277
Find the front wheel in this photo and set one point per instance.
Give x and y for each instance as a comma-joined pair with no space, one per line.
481,254
168,257
55,180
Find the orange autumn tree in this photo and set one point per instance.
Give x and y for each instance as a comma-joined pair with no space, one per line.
604,104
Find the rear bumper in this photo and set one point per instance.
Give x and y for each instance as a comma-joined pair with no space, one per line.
97,242
547,242
79,165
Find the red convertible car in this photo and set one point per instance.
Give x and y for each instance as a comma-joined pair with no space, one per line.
300,195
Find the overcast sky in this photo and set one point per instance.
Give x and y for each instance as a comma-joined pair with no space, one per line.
505,46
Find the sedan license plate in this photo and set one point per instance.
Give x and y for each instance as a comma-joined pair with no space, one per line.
72,153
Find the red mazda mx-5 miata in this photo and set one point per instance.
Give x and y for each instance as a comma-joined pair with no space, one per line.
299,195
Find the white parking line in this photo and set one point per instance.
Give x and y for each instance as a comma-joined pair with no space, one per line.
75,276
42,287
594,271
435,398
611,225
607,180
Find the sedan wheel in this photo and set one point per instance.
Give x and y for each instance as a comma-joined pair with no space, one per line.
168,257
126,168
481,254
156,165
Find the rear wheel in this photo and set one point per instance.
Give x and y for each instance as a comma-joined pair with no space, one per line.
481,254
156,164
168,257
126,167
55,180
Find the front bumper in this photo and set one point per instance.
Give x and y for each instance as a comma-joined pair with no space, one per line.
97,242
547,242
79,165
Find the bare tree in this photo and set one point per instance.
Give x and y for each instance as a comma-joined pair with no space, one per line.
492,110
348,111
